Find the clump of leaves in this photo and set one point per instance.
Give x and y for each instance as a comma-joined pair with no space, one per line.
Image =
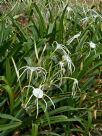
50,74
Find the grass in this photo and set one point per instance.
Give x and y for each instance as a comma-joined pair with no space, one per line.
53,47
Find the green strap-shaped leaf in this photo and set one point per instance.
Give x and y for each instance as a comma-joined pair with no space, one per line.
47,133
8,89
57,119
14,122
8,70
34,129
41,20
64,109
9,126
7,116
61,26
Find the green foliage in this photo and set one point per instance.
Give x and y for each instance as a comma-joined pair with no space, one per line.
56,47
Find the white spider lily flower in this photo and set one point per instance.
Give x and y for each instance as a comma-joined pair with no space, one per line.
61,47
70,64
73,38
92,45
39,94
75,87
61,64
69,9
30,71
65,56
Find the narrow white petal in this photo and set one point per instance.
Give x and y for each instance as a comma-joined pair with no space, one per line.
50,100
45,104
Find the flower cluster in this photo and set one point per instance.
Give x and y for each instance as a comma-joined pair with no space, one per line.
38,79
